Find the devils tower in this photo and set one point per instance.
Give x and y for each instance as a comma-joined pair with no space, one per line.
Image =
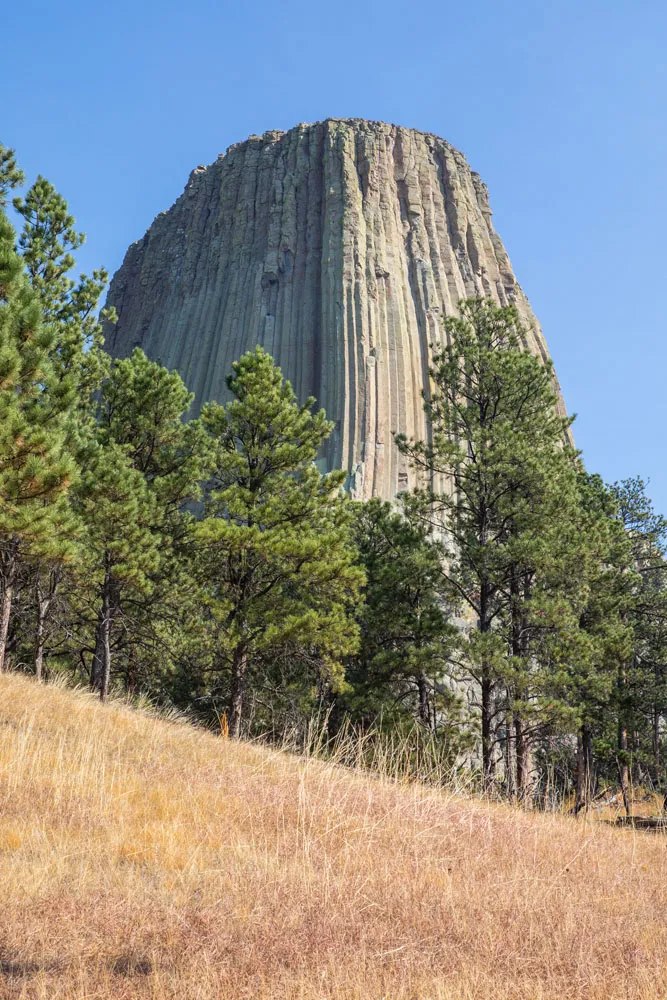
339,247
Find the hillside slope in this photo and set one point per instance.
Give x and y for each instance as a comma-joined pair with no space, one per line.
141,858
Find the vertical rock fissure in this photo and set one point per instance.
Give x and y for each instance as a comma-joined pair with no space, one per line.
340,247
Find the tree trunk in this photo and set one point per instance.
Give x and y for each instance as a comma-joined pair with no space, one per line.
39,642
657,782
488,764
486,688
584,758
520,654
522,760
8,570
509,755
424,709
44,602
100,676
5,613
623,770
521,593
106,661
588,753
239,664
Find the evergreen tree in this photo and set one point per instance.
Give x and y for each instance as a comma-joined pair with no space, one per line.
604,638
406,638
144,470
117,508
639,694
276,555
35,466
77,363
47,243
11,176
497,472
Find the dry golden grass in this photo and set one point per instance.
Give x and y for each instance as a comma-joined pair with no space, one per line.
142,858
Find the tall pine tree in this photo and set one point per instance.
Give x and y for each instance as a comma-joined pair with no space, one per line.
47,243
276,555
143,472
36,467
496,474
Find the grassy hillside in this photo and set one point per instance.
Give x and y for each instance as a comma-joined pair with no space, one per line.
141,858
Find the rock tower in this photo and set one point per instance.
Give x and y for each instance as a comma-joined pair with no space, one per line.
339,247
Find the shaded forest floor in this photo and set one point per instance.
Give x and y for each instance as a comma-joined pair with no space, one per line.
142,858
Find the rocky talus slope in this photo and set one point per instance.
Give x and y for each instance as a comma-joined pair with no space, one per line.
338,247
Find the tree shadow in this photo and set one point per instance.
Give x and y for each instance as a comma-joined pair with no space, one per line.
14,968
131,965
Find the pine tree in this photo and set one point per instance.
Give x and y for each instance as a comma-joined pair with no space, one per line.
497,472
144,470
401,671
118,510
77,363
639,689
35,466
11,176
603,640
276,555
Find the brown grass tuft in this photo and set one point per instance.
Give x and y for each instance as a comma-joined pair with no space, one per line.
141,858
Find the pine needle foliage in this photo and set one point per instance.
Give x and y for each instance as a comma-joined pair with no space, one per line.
275,542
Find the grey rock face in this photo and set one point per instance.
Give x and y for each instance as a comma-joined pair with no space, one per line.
339,247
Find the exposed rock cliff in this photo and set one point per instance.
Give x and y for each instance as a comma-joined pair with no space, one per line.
337,246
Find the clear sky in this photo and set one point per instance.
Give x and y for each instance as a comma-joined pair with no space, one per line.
560,106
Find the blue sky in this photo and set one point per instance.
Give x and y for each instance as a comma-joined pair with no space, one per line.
559,106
